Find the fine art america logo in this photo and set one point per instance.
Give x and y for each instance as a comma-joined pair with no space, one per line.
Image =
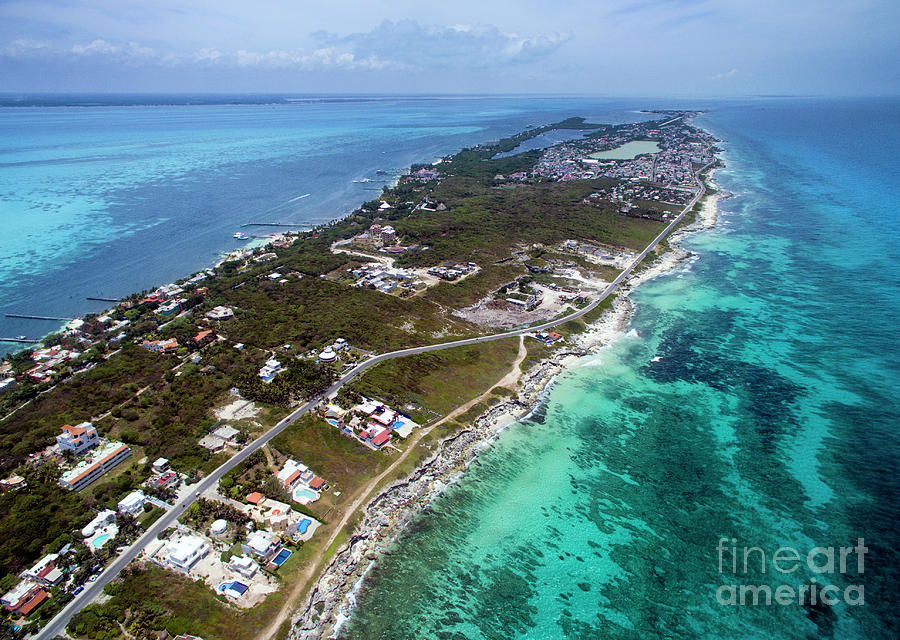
738,565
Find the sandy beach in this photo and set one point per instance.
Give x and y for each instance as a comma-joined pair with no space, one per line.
330,602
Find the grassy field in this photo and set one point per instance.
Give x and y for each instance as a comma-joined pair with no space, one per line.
430,385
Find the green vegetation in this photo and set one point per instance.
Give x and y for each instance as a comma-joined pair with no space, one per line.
151,599
419,384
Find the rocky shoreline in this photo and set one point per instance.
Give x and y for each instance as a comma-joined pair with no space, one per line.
331,600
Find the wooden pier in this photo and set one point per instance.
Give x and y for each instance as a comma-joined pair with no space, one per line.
27,317
104,299
272,224
20,340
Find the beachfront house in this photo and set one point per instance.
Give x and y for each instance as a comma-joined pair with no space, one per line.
244,565
78,439
24,598
184,552
262,545
290,473
103,519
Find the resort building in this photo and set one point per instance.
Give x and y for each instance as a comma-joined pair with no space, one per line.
79,438
45,572
220,313
133,503
262,545
86,471
185,552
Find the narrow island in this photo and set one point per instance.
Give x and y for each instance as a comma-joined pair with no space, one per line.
224,456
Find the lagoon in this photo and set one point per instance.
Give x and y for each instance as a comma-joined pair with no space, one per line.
628,151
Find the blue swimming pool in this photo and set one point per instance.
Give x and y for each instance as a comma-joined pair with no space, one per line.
282,557
303,525
331,421
238,587
304,495
99,541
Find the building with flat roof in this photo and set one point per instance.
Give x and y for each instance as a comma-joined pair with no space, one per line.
99,463
45,572
186,551
133,503
244,565
79,438
263,545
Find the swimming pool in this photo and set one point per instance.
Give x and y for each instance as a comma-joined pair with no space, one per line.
332,422
282,557
238,587
303,525
304,496
99,541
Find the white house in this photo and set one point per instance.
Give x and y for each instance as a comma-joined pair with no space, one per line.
220,313
160,465
133,503
102,519
243,565
290,473
45,572
185,552
79,438
262,544
270,370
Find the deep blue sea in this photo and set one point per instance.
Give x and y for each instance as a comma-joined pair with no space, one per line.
752,401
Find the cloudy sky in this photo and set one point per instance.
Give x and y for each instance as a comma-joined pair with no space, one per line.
607,47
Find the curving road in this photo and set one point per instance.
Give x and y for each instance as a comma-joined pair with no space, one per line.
93,589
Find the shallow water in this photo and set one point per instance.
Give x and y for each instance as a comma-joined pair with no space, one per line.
754,401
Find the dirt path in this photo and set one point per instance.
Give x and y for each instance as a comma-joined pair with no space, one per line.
364,495
270,461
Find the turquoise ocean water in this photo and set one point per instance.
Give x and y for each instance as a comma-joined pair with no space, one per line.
752,399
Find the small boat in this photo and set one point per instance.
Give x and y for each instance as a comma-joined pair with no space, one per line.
241,236
364,180
20,338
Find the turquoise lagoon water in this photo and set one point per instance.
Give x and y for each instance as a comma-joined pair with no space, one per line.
102,201
752,399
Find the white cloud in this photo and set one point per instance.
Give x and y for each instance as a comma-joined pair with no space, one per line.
721,76
24,47
459,46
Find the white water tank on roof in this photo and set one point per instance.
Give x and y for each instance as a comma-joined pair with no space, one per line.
219,527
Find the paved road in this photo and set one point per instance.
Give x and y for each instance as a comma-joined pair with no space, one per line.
93,589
